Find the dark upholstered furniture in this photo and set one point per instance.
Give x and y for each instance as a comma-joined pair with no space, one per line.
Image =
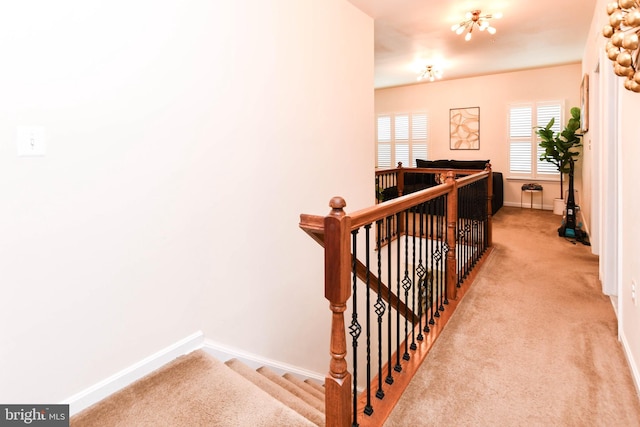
419,181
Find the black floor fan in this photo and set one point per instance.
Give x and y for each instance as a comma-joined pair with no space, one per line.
570,227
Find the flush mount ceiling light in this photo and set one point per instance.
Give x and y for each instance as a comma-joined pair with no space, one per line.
430,72
622,47
474,19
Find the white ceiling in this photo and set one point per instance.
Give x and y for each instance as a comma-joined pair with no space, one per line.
410,34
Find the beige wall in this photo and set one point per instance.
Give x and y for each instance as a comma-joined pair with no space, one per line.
184,139
492,94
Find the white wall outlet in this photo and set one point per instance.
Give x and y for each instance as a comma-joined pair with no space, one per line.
634,295
31,141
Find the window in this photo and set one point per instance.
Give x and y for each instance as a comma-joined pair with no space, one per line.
401,138
524,149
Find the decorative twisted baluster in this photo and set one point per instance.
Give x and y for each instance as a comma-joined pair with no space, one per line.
354,329
413,277
380,309
389,379
406,285
420,271
368,409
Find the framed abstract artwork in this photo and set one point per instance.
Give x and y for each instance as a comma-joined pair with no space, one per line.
464,128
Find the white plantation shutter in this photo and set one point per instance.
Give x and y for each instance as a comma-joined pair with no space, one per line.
520,122
520,157
384,141
520,140
418,137
402,127
402,154
524,148
401,138
384,155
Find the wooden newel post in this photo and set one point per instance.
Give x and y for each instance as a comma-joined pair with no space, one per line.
337,260
452,209
400,180
489,205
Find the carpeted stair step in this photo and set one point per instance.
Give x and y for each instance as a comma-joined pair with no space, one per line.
304,386
193,390
315,385
303,394
278,392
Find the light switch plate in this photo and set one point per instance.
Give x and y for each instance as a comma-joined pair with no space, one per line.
31,141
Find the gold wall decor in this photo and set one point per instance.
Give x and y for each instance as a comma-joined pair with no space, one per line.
464,128
622,47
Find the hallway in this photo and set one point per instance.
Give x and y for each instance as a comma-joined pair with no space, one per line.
534,341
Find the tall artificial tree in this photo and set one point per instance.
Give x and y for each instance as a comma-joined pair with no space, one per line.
561,148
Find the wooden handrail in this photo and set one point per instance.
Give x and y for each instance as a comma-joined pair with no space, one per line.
394,206
311,225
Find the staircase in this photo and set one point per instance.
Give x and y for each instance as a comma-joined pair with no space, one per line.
304,397
199,390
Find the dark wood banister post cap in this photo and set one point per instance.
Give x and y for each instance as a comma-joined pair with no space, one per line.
451,177
337,205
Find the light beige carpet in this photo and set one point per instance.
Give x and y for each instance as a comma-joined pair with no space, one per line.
194,390
534,342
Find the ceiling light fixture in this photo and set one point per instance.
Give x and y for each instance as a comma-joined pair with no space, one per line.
474,19
430,72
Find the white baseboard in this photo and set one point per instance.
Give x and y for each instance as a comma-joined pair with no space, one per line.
528,206
118,381
635,373
254,361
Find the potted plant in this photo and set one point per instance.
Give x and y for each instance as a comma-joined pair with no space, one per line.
559,148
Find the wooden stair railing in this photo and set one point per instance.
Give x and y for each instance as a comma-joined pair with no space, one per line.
334,233
317,234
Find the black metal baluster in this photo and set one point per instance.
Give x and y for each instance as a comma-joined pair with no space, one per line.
464,231
413,276
460,233
476,222
442,209
432,251
380,309
406,285
389,379
398,366
468,228
368,409
445,249
427,257
354,328
421,273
